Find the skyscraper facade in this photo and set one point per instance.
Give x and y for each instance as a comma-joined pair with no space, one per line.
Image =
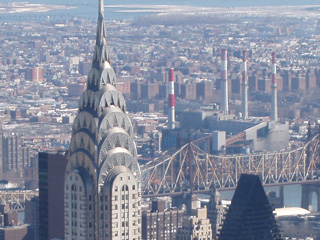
213,211
161,222
102,179
51,195
12,153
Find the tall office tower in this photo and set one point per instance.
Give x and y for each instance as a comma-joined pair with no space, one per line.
102,179
224,81
51,195
250,215
274,98
244,86
213,211
12,153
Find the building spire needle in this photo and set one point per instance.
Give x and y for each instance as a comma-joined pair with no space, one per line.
101,51
101,8
101,34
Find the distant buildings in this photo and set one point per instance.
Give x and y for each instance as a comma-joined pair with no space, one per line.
41,67
162,222
298,223
35,74
76,89
14,156
12,153
251,134
38,104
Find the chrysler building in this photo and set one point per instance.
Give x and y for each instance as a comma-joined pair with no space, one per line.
102,179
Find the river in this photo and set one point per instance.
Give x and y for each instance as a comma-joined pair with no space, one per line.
88,8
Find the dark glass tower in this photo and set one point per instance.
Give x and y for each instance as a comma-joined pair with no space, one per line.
250,216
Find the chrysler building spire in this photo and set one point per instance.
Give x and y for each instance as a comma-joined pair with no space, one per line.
102,179
101,54
101,8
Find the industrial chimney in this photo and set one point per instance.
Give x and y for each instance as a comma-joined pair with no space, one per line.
224,81
274,100
244,86
171,113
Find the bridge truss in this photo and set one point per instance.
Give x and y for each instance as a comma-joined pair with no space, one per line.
16,199
193,169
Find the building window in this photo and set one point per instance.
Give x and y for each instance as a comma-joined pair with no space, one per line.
125,188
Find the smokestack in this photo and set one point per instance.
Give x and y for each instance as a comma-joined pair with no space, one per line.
171,113
224,81
274,100
245,112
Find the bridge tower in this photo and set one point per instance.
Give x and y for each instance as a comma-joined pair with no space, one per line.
309,137
306,196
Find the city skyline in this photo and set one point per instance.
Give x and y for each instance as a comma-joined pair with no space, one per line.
175,73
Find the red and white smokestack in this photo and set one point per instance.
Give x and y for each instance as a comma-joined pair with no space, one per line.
224,81
245,112
274,99
171,113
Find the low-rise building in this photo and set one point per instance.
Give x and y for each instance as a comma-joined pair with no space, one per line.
196,227
161,222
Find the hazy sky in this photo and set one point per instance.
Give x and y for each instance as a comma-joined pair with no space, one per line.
218,3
